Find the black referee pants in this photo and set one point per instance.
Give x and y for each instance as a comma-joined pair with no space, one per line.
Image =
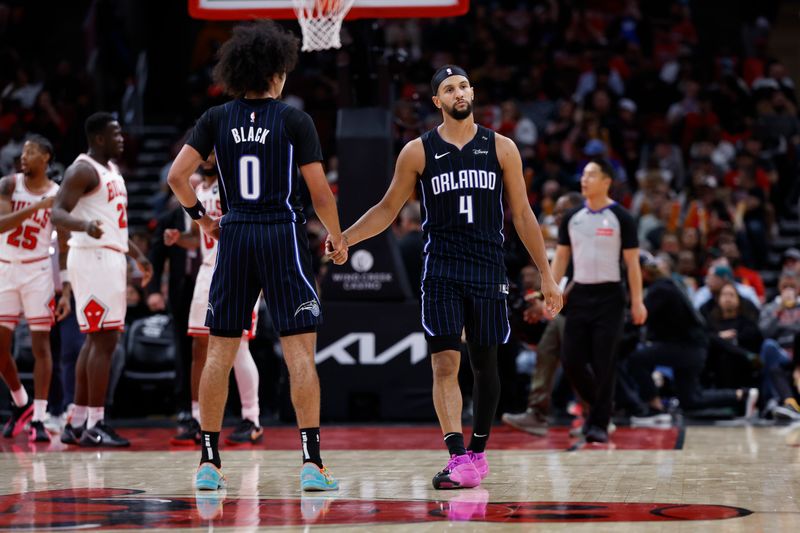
594,318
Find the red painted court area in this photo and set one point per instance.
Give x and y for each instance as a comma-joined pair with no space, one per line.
90,509
383,438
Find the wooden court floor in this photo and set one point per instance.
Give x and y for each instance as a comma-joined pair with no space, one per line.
742,479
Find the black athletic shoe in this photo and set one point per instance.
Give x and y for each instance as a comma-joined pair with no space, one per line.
38,432
246,433
72,434
19,417
102,435
596,434
189,434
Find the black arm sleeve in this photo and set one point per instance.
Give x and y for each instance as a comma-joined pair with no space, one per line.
202,136
628,233
303,135
563,228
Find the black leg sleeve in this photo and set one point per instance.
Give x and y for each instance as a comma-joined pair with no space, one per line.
485,393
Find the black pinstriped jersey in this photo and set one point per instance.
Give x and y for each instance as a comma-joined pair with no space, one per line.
259,145
462,202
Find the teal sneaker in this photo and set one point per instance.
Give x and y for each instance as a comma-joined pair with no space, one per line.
209,477
315,505
314,478
210,504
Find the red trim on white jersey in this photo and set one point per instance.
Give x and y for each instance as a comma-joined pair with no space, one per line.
109,206
32,239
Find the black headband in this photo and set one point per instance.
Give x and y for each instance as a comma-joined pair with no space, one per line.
443,73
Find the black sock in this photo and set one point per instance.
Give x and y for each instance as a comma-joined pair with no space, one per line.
485,393
309,440
477,443
455,443
210,445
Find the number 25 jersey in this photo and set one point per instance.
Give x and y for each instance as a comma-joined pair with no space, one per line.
32,238
462,209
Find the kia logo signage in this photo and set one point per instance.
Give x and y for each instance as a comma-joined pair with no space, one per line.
359,348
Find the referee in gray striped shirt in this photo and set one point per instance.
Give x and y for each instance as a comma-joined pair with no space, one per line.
596,236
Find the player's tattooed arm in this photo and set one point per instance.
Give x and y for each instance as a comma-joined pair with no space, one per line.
79,179
10,219
410,164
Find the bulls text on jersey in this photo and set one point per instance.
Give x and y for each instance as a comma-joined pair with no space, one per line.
41,216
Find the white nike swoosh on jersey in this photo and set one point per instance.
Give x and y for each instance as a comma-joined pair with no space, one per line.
439,156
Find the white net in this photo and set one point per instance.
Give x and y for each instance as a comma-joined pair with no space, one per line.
321,22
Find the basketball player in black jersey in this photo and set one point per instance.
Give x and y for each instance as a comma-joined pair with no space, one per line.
260,142
464,171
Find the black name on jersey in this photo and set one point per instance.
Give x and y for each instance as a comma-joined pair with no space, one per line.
467,179
253,135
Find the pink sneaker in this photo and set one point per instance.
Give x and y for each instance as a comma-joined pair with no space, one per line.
468,505
480,462
459,473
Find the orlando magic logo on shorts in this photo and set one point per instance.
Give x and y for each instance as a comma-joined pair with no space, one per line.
312,306
262,262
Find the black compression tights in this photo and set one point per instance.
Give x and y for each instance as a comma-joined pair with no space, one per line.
485,393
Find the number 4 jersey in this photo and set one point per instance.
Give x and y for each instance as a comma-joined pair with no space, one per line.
31,239
108,203
462,202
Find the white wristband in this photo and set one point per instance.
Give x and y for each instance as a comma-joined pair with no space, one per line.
64,276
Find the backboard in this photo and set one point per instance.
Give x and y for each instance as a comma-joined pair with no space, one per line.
282,9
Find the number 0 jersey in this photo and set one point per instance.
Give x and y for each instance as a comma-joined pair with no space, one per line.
32,238
462,202
259,145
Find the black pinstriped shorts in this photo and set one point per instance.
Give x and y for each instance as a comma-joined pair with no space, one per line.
271,257
450,306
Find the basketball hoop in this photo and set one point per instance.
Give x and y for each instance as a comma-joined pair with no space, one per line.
321,22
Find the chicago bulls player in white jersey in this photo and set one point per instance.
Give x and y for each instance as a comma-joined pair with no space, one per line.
26,281
92,203
245,370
